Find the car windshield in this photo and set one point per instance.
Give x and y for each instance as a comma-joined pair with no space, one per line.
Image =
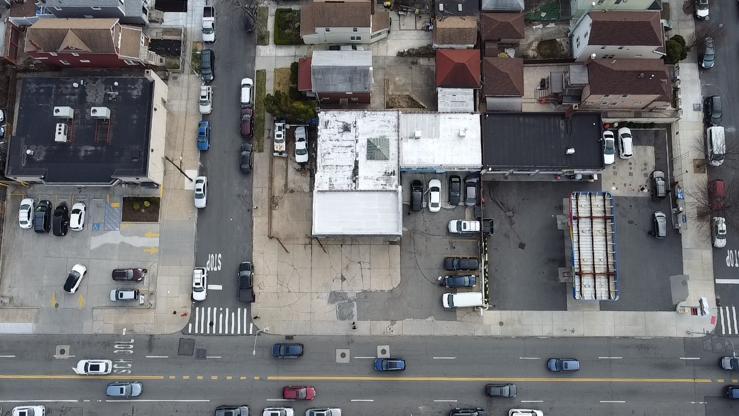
301,151
609,148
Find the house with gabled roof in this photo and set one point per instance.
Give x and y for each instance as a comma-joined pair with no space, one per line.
343,22
502,28
502,84
455,32
337,76
458,68
627,84
617,34
134,12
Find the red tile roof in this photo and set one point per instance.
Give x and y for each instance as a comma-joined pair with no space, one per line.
458,68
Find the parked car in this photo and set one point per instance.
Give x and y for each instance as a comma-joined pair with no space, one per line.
713,110
199,284
659,225
659,184
278,411
299,392
77,218
416,195
279,137
525,412
609,147
246,86
718,232
717,195
708,58
117,295
201,192
389,364
93,367
625,145
557,365
245,277
124,389
38,410
507,390
464,227
471,187
203,140
434,195
245,158
335,411
60,222
729,363
74,278
287,350
247,122
701,9
224,410
732,392
207,65
715,145
42,217
461,263
25,213
301,145
455,190
457,281
248,24
467,412
205,102
129,275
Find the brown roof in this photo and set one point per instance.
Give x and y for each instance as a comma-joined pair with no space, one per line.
629,77
458,68
456,31
494,26
320,14
380,20
87,35
503,77
626,28
304,80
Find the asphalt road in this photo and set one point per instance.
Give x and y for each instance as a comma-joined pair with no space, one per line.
618,376
721,80
224,230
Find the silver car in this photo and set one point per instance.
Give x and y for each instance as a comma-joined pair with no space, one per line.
323,412
124,389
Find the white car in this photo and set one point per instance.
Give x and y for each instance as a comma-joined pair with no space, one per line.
434,195
278,411
77,217
525,412
29,411
331,411
93,367
625,144
205,103
718,231
609,147
25,213
199,284
279,140
464,226
201,191
301,145
246,87
74,278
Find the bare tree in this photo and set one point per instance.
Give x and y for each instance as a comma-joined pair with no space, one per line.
706,208
248,7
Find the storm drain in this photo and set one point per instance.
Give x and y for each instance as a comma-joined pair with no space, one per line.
186,346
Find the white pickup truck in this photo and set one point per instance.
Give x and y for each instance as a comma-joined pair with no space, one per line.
209,24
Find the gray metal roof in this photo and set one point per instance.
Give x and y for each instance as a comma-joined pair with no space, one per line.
341,71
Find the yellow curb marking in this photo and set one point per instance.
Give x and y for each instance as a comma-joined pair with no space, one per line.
82,301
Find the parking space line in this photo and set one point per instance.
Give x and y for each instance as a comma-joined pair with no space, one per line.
727,281
238,318
690,358
215,287
444,358
207,328
362,400
613,401
733,314
226,325
529,358
532,401
232,322
445,401
610,358
7,356
197,319
245,321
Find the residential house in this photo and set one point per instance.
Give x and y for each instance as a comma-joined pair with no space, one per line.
618,35
337,76
458,68
343,22
12,21
502,5
580,7
99,43
445,8
455,32
500,30
627,84
502,84
134,12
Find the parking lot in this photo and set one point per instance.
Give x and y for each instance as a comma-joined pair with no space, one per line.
35,265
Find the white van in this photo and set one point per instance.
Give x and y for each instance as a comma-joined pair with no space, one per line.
715,145
461,300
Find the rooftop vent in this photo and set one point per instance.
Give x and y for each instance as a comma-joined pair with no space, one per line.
417,134
100,113
60,134
463,132
441,7
459,7
64,112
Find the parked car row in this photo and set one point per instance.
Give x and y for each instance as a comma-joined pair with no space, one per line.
78,272
244,277
39,216
243,410
454,192
625,145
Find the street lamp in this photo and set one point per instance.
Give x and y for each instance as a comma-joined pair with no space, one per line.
256,336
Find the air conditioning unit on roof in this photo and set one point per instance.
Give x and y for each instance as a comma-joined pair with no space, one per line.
101,113
60,133
64,112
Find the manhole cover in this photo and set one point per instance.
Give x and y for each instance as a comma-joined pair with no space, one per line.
200,353
383,351
343,355
186,346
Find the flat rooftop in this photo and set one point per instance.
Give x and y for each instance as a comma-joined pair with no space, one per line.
445,140
541,140
96,151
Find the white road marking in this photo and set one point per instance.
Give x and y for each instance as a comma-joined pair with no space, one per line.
238,317
220,321
160,400
613,401
445,358
532,401
697,402
277,400
157,356
529,358
366,358
197,319
207,323
610,358
690,358
233,323
7,356
362,400
40,401
189,328
245,321
215,287
445,401
721,316
733,313
251,328
727,281
226,324
213,356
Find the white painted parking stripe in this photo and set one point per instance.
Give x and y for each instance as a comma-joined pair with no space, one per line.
721,317
733,314
157,356
532,401
7,356
233,323
610,358
213,357
215,287
362,400
220,320
366,358
445,401
690,358
251,328
238,318
189,328
197,318
613,401
727,281
529,358
226,324
207,323
445,358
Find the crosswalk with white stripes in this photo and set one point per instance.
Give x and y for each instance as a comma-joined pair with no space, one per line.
727,320
215,320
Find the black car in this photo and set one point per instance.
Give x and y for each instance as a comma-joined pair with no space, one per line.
501,390
246,284
42,216
471,190
455,189
467,412
60,222
712,108
416,195
245,158
129,275
287,350
207,65
461,263
457,281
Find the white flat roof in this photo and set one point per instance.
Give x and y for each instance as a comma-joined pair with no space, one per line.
357,150
455,100
440,140
358,213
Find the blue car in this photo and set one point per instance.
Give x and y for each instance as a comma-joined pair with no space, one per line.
287,350
557,365
203,135
389,364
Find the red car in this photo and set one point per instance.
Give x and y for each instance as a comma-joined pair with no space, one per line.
299,392
247,122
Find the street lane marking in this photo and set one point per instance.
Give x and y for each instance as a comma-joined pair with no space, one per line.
40,401
157,356
445,358
277,400
199,377
214,377
532,401
7,356
445,401
362,400
213,357
160,400
215,287
727,281
610,358
613,401
74,377
529,358
491,379
690,358
185,377
366,358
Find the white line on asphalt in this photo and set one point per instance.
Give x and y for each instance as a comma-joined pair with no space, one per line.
213,356
207,322
697,402
157,356
278,400
220,320
215,287
238,317
733,313
445,401
86,401
197,319
613,401
690,358
532,401
727,281
226,324
445,358
529,358
251,328
643,337
721,316
189,328
160,400
362,400
7,356
366,358
40,401
610,358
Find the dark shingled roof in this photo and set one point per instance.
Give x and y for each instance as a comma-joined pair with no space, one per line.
626,28
458,68
495,26
320,14
456,31
629,76
502,77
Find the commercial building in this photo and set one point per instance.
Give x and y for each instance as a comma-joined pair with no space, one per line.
440,142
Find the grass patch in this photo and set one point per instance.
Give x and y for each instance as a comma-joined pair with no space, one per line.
282,80
138,209
287,27
195,57
262,30
260,92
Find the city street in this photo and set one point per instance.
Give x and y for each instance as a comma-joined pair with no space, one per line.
224,231
618,376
